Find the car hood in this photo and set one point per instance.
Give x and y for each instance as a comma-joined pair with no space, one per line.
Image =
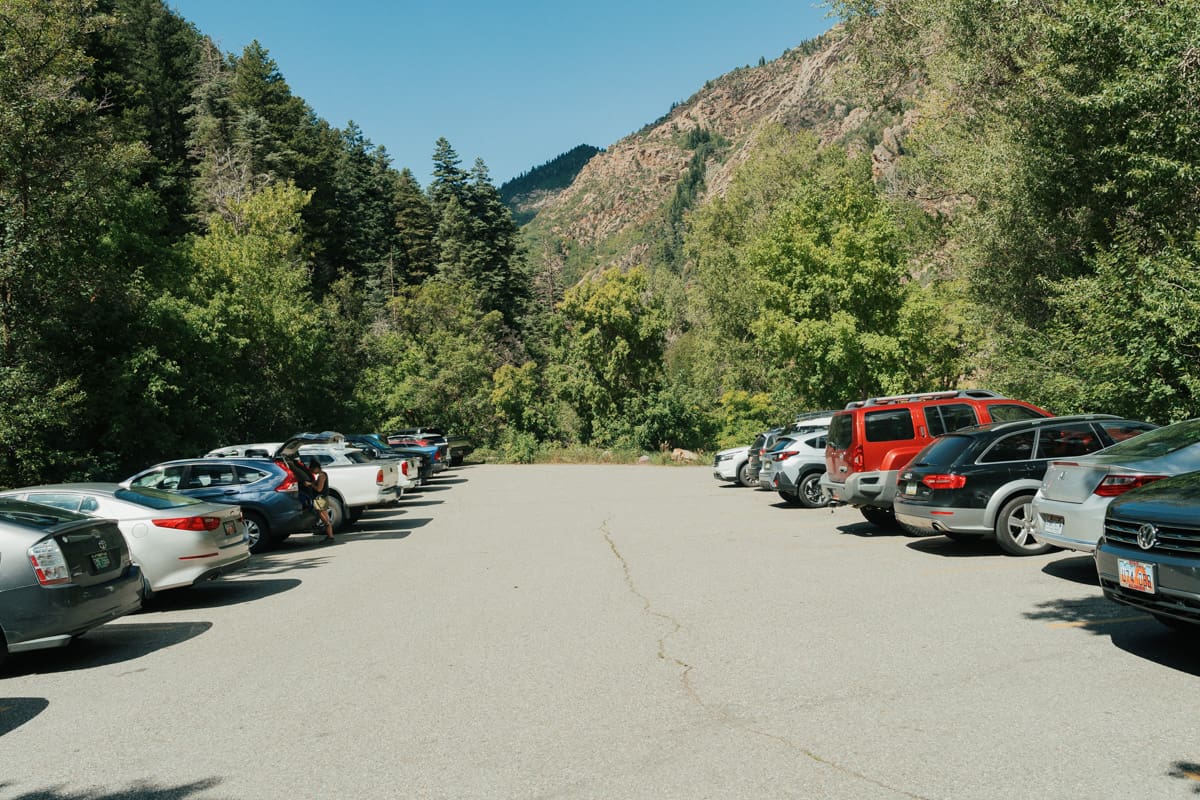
1173,501
292,446
733,451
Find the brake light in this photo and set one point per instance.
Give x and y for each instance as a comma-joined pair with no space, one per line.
1113,485
288,484
785,454
379,477
189,523
945,481
48,562
857,458
404,468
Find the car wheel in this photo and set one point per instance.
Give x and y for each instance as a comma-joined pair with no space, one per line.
879,517
337,514
147,591
258,533
790,499
810,493
1014,528
744,477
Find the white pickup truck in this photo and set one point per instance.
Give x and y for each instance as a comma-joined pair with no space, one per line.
356,482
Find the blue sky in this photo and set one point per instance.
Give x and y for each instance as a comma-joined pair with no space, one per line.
516,83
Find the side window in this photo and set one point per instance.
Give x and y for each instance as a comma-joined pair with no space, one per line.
1067,441
168,478
893,425
1009,412
949,417
1120,430
816,442
204,475
1017,447
247,475
325,459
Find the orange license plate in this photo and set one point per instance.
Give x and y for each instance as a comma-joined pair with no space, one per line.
1136,575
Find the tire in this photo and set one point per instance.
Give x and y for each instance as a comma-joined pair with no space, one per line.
337,514
257,531
790,499
879,517
148,593
1014,528
809,492
744,477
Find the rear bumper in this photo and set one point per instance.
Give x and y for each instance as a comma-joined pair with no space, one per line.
1081,523
863,488
934,520
37,617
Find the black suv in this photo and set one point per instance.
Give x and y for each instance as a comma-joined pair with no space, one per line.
980,481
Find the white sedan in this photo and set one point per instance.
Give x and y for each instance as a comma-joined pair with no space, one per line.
176,540
733,465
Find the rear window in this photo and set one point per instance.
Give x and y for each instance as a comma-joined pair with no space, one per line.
34,515
942,452
892,425
1159,442
1010,412
1067,441
156,499
841,431
949,417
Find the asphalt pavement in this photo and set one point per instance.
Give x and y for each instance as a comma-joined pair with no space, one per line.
614,632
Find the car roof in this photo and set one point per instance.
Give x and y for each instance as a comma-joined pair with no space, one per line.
1038,422
97,488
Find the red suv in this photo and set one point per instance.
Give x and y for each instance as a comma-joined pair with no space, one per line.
870,441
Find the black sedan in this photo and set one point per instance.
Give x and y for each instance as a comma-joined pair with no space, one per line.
980,481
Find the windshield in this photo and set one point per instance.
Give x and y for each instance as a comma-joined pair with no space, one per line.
157,499
1158,442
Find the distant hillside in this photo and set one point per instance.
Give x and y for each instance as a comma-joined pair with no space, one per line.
522,193
626,205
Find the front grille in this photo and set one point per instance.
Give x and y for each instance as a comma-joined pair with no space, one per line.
1173,540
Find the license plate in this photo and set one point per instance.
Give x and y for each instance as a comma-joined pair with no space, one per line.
1052,525
230,528
910,489
101,561
1136,575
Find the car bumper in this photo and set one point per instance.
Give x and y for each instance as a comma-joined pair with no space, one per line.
1079,525
38,617
725,470
1176,581
784,483
193,568
863,488
935,520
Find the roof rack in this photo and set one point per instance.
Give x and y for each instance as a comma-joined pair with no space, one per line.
896,399
1037,421
813,415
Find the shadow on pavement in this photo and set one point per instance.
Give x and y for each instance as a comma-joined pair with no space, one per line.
951,548
141,790
866,529
16,711
114,643
1186,770
219,594
1077,569
386,528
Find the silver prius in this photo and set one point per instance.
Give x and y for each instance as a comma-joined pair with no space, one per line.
61,574
1068,510
176,540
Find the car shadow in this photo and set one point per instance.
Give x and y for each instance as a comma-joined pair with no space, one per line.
139,790
386,528
16,711
951,548
1077,569
219,594
866,529
114,643
449,481
413,503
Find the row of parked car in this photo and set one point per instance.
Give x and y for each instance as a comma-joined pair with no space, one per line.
973,465
74,556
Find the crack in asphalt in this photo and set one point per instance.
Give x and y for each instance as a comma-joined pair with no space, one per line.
723,716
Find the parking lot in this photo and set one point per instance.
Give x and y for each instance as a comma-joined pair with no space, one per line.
614,632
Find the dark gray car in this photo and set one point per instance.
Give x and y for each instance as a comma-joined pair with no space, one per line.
61,574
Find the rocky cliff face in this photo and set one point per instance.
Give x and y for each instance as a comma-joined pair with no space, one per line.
618,203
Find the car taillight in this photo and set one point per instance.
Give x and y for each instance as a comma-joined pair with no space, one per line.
189,523
404,468
857,458
49,564
945,481
785,454
1113,485
288,484
379,477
